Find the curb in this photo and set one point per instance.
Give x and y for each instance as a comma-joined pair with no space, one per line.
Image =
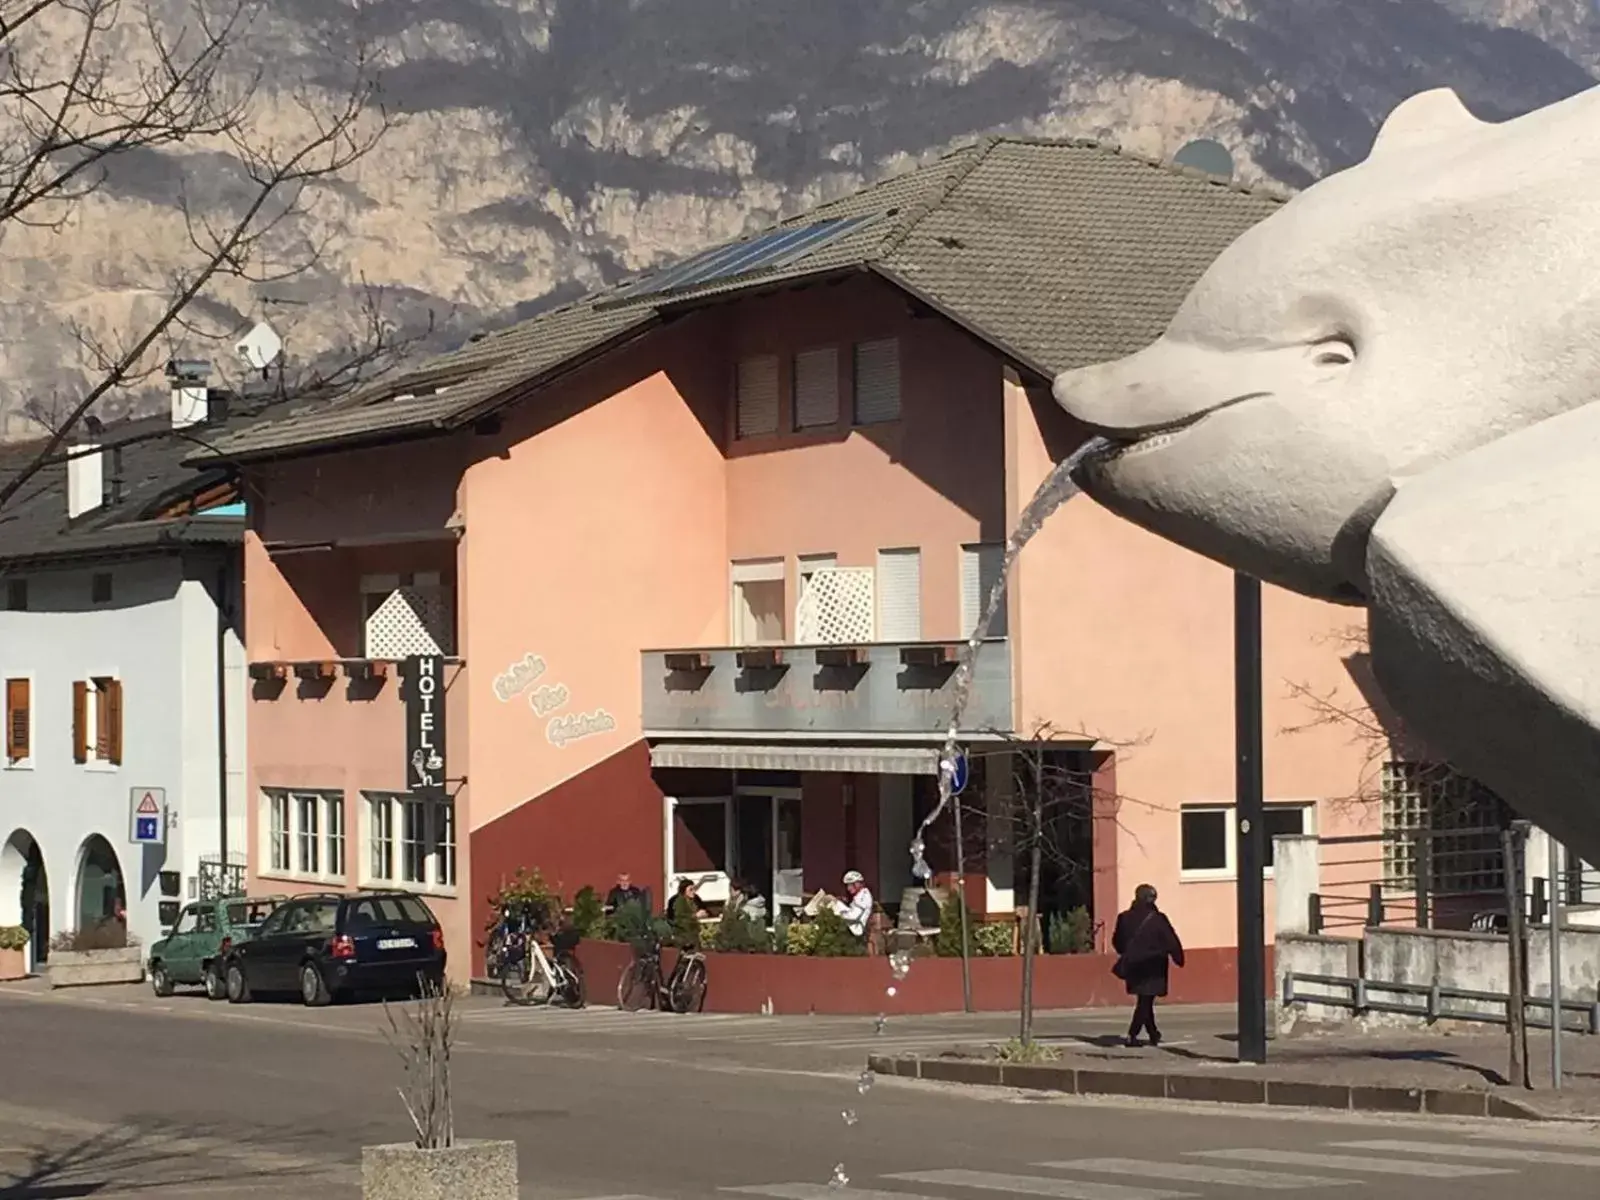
1218,1089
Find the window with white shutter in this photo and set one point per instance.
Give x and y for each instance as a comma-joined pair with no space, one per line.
810,564
757,602
877,377
756,396
900,595
816,388
980,571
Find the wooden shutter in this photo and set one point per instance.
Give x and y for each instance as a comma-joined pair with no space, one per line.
18,724
112,698
980,571
756,396
899,595
877,372
80,721
816,388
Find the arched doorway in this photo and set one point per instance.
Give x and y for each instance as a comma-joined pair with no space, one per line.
25,891
101,895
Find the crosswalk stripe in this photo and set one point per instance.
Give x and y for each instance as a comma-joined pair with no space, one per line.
1038,1185
820,1191
1194,1173
1554,1158
1346,1162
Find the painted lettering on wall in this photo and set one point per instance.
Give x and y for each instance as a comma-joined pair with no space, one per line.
518,677
576,726
547,699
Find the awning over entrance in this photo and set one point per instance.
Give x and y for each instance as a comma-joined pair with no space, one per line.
860,760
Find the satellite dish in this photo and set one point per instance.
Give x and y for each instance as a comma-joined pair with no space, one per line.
1208,155
260,347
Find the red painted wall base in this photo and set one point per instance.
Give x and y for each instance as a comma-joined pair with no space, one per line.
779,983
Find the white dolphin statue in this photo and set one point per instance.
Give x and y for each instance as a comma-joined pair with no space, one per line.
1385,394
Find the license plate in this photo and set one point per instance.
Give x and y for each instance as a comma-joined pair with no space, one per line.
396,943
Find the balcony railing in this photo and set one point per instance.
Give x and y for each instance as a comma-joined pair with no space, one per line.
898,688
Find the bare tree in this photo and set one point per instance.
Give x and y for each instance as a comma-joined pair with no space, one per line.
1047,789
88,84
423,1035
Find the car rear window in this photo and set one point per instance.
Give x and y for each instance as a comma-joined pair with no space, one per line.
388,910
250,912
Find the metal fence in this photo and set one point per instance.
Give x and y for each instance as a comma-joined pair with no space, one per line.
1424,878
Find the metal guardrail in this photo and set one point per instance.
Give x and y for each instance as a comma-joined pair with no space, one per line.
1360,1001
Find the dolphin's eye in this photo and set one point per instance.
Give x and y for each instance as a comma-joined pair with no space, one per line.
1337,351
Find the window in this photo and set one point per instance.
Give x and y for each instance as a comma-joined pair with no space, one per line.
810,564
380,838
1458,817
980,571
97,711
250,913
100,587
19,721
1283,820
816,388
205,920
189,922
757,602
877,380
306,833
900,595
407,614
426,847
278,831
756,396
17,595
1206,845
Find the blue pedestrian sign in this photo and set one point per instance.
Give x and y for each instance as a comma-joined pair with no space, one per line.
955,770
147,816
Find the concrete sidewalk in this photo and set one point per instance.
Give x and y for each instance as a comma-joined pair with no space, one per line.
1383,1070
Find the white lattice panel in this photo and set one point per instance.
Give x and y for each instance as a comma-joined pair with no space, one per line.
837,608
411,620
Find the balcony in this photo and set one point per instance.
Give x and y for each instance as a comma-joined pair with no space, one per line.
900,688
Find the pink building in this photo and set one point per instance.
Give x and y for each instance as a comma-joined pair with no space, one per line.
697,552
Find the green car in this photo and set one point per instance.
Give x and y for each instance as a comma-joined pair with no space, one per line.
192,952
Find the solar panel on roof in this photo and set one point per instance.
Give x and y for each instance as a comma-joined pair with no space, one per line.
774,249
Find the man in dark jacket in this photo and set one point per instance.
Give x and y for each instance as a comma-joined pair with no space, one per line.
1145,942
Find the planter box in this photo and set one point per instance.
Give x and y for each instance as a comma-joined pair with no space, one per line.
481,1170
785,983
83,968
13,964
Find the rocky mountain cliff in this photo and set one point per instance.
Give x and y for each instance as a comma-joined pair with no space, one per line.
549,146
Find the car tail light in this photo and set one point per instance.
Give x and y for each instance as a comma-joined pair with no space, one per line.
343,947
438,939
227,944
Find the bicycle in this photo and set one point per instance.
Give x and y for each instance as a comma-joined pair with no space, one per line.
529,976
641,985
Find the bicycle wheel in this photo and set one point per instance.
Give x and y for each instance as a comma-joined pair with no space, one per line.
689,989
520,979
636,989
577,990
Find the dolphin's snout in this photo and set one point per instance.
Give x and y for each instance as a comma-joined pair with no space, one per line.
1161,386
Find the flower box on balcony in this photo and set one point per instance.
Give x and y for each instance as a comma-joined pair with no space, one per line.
266,672
321,671
762,658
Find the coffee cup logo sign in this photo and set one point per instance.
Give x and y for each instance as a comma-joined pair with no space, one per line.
547,699
425,765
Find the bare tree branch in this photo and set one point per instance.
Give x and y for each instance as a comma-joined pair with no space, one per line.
70,107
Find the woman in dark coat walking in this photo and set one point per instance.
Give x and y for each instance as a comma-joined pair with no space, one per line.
1145,942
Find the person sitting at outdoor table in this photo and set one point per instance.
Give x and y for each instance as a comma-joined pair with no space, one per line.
688,890
855,910
746,900
623,893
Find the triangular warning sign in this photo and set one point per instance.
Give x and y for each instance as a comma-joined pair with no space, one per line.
148,805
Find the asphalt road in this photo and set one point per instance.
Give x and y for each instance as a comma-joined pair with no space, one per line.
115,1096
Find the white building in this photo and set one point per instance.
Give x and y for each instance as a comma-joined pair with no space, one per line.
123,674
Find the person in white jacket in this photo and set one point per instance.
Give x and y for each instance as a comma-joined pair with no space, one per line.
856,909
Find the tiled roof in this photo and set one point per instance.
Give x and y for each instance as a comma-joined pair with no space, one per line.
1059,253
155,473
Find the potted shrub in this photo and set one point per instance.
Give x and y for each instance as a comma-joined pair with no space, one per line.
435,1165
13,952
104,952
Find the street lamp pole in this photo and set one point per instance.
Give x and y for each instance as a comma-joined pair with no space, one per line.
1249,833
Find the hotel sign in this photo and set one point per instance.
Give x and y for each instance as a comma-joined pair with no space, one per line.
424,679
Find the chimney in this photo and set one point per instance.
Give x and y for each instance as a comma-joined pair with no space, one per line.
85,479
190,393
